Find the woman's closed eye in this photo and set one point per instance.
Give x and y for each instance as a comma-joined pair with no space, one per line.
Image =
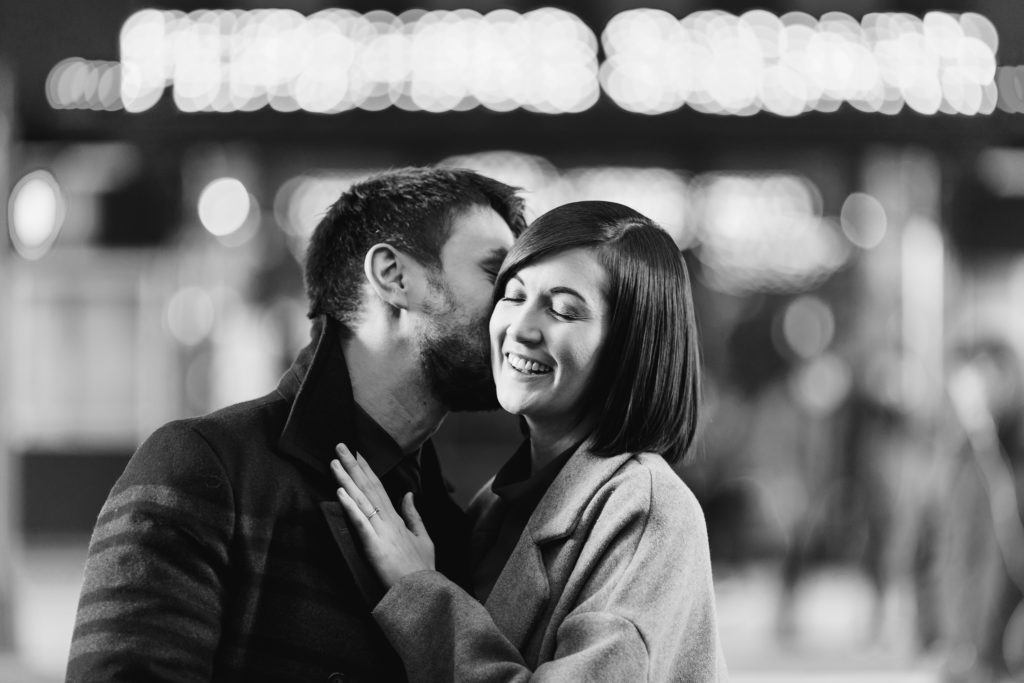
567,313
513,294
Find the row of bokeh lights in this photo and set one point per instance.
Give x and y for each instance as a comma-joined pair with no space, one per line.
753,231
546,60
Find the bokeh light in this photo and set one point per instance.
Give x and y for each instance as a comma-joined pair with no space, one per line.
76,83
808,326
1010,82
224,206
658,193
1001,170
190,315
302,201
821,384
863,220
35,213
764,232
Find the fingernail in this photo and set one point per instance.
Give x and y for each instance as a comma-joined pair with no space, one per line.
335,464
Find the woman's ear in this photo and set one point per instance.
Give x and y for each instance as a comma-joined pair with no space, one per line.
384,268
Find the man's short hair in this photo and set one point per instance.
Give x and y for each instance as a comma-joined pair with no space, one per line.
411,209
645,390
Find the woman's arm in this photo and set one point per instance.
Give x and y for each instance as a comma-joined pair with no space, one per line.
642,604
444,634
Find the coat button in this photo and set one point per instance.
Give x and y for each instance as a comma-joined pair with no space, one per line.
336,677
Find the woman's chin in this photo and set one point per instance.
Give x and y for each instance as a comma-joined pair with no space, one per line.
511,407
512,404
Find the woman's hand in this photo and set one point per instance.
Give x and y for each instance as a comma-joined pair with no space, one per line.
396,547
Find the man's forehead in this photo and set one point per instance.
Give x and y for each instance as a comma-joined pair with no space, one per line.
477,231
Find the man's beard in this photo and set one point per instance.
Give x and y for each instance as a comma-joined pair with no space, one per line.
457,359
458,369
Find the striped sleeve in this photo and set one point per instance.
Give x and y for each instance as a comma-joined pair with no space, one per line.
151,602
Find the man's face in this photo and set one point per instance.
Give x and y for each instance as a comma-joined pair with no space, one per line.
455,346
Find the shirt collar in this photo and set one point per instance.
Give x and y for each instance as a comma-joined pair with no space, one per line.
376,445
514,482
324,412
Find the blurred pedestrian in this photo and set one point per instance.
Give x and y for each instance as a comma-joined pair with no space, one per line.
972,538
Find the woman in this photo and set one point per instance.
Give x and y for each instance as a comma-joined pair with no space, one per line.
591,555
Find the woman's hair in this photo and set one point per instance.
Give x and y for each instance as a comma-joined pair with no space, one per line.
645,389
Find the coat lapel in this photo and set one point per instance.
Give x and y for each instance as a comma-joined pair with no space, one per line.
522,592
319,387
520,595
366,578
562,506
320,390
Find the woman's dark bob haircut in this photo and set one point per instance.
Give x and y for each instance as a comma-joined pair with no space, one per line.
645,391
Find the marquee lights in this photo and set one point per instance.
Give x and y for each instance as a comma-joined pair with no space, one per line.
719,63
334,60
546,61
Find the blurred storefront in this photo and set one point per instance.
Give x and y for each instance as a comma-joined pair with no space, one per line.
845,179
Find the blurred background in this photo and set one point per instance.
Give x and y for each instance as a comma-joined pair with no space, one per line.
846,180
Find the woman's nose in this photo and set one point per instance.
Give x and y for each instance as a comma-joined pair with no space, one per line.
524,326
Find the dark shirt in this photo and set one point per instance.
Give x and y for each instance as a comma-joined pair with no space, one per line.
520,490
398,472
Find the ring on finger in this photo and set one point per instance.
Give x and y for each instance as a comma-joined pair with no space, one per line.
376,510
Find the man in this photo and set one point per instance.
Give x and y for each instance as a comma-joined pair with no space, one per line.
221,552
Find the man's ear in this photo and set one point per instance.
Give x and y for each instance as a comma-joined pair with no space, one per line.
385,270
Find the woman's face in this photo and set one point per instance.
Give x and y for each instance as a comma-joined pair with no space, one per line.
546,332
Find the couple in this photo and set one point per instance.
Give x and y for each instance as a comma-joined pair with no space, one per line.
227,550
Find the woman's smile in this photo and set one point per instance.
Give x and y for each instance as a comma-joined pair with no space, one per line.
526,366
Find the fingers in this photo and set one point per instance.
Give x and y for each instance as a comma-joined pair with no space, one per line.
368,483
358,518
355,494
373,483
358,476
412,516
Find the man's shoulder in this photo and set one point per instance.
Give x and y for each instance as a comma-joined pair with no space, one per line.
254,420
238,430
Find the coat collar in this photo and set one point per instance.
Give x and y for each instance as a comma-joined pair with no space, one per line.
521,593
562,506
319,388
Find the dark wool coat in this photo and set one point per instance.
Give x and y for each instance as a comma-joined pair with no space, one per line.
222,553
